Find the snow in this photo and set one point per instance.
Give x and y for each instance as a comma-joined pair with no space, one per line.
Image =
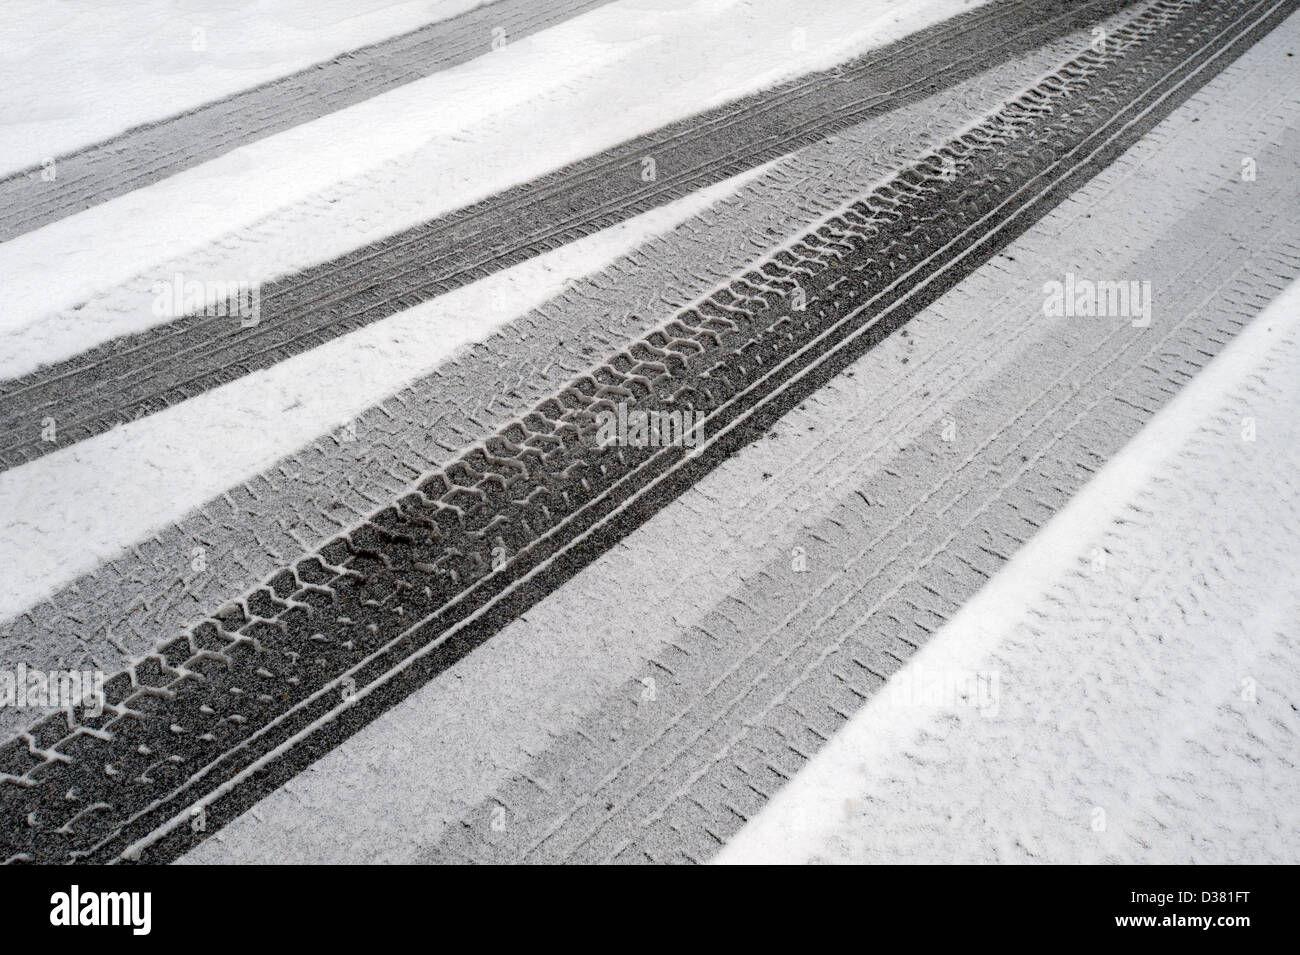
1125,690
88,502
80,71
328,186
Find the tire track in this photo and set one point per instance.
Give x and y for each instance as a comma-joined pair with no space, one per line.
130,377
251,696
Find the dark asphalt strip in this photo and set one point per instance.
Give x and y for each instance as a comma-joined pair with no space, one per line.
149,153
198,732
134,376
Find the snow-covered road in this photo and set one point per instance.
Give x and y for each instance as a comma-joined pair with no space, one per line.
951,576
